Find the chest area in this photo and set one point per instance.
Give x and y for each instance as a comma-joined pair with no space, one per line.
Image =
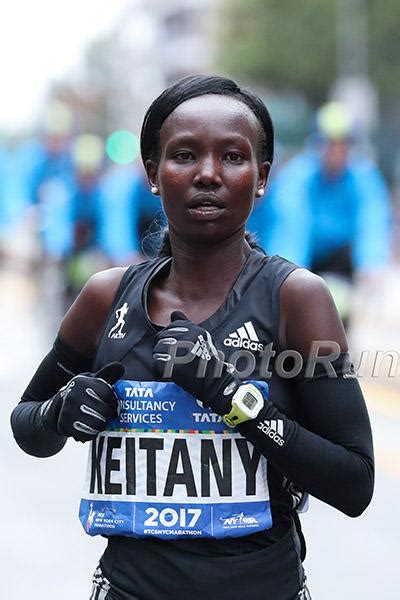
244,338
161,302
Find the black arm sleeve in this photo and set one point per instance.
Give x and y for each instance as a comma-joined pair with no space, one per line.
55,370
333,458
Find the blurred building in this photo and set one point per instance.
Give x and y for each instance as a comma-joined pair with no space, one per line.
153,44
184,34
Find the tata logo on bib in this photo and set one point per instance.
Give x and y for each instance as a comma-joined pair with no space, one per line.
244,337
138,392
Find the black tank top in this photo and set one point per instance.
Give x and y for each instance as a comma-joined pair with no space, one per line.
158,569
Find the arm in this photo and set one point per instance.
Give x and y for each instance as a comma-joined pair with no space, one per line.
71,354
331,458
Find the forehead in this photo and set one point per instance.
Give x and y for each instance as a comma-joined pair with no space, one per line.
214,115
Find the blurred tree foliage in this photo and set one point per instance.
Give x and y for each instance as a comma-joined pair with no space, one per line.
289,44
384,47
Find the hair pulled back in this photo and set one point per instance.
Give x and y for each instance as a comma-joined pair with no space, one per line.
192,87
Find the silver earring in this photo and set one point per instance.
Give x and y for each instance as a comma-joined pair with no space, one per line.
260,192
154,190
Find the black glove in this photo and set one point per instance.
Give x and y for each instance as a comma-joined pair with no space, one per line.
82,408
185,353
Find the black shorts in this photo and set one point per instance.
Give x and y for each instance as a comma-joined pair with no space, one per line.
103,590
133,572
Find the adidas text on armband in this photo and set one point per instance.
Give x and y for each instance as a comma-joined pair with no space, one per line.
244,337
273,429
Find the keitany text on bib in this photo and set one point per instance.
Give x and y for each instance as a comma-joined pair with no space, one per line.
168,467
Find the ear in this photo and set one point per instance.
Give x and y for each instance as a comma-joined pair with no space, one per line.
151,169
263,174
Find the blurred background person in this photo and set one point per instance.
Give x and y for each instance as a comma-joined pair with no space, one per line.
329,208
81,255
41,181
49,157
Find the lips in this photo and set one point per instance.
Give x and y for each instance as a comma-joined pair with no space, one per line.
206,207
206,200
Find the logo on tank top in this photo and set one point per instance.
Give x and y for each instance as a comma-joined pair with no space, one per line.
116,332
244,337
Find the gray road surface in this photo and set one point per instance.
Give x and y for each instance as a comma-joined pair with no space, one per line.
44,553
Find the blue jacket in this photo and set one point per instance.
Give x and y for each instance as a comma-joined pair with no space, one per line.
305,215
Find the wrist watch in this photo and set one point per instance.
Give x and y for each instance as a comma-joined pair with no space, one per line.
247,402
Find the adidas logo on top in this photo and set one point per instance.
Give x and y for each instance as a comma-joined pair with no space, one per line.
244,337
273,429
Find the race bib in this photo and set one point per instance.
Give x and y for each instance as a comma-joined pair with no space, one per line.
168,467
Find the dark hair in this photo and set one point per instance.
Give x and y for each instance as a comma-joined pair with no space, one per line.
192,87
164,248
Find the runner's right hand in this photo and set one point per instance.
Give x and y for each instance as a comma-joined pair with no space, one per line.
82,408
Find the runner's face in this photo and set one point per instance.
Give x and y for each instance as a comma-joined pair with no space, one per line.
209,168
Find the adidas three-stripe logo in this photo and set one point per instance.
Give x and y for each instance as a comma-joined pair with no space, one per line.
205,349
244,337
275,425
273,429
247,331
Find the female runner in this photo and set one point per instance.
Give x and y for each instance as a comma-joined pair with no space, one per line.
195,378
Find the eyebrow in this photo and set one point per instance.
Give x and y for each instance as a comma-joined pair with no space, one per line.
190,138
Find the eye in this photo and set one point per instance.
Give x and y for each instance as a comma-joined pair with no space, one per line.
234,157
183,155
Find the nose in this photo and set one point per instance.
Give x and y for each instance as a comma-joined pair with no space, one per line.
208,174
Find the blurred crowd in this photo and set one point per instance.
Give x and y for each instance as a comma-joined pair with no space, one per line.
327,208
84,210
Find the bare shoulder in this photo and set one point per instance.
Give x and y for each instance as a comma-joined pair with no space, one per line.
82,325
308,313
301,285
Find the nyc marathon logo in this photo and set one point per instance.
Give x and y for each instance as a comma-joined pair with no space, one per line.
239,520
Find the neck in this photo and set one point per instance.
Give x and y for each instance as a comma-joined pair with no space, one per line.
211,268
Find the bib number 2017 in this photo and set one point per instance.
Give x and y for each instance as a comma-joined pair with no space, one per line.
169,517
